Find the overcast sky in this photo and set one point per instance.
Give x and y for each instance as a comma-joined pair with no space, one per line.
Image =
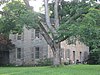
37,4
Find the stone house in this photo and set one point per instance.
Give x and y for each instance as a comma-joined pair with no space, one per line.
31,46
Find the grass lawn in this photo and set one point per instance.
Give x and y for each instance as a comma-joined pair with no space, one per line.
66,70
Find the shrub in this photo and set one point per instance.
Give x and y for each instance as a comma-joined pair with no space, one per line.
45,62
94,57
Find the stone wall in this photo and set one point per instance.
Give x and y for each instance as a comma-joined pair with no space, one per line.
29,41
27,44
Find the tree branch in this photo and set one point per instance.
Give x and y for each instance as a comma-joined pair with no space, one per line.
44,28
72,18
26,2
45,34
56,13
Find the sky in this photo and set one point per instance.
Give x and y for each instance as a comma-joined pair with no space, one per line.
1,7
37,4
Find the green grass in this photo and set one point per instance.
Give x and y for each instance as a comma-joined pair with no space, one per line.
66,70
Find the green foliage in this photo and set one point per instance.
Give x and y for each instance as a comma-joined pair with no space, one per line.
81,21
3,1
89,29
45,62
94,57
85,27
16,16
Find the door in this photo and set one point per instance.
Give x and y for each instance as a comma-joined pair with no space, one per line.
4,57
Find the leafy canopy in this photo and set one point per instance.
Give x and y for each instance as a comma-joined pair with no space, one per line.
16,15
80,21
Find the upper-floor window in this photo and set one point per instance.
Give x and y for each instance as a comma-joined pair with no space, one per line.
22,36
68,53
14,36
18,53
36,52
37,33
32,33
19,37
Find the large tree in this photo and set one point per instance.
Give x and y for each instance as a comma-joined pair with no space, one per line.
69,22
46,28
16,15
71,18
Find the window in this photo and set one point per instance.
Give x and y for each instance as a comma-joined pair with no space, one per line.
1,54
32,52
73,56
32,34
32,49
14,36
37,33
19,37
18,53
80,56
37,52
32,55
68,53
22,37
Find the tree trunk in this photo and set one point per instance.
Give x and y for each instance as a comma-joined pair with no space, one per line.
56,58
56,13
47,13
56,54
54,46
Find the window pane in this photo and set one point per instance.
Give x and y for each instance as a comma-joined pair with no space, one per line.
80,56
19,37
37,33
32,55
14,36
68,53
32,52
73,56
18,53
32,34
37,52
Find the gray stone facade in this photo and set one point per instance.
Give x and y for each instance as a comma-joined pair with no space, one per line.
30,46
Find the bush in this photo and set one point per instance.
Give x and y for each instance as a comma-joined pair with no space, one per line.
94,57
45,62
